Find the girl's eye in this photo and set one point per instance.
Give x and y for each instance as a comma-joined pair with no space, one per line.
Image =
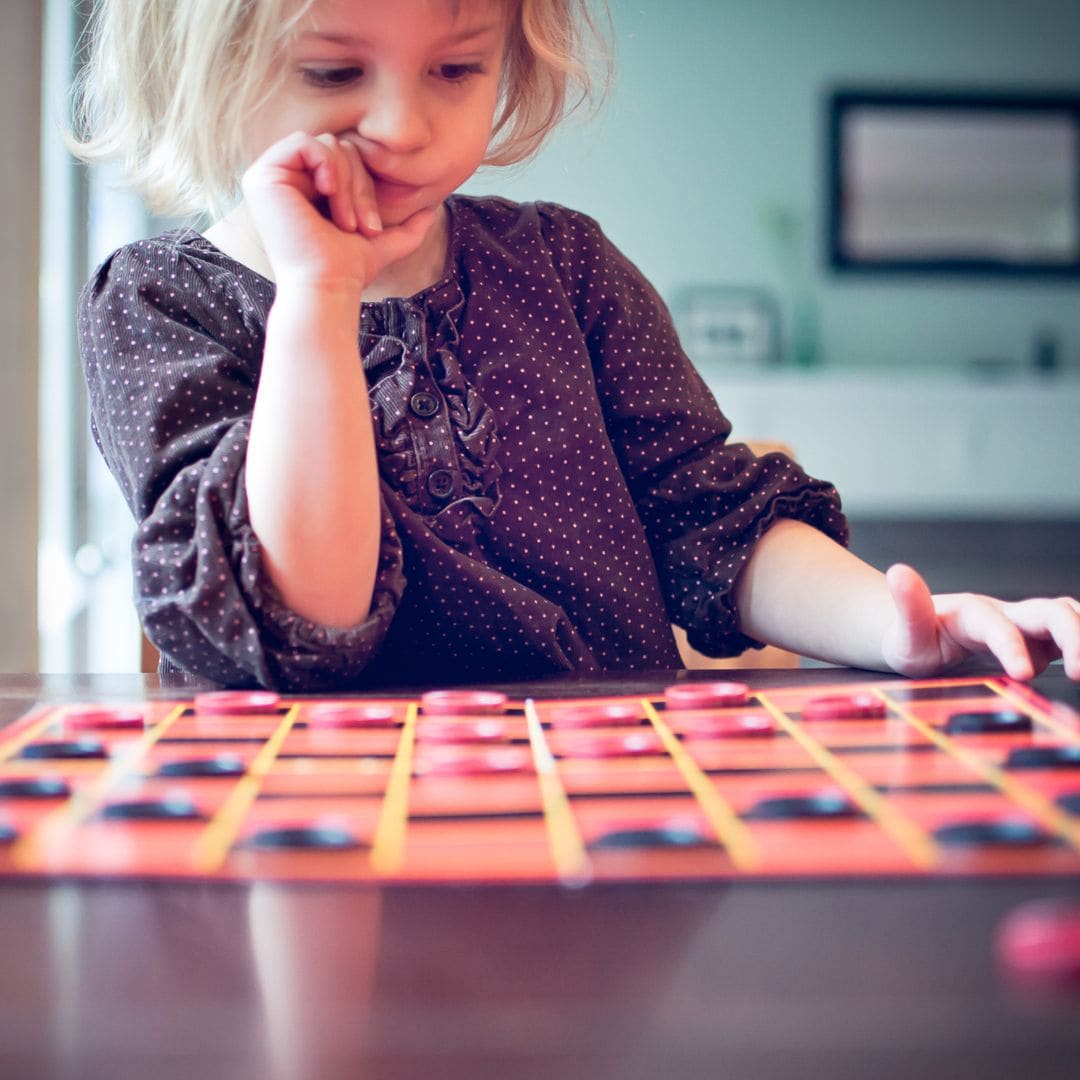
331,77
459,72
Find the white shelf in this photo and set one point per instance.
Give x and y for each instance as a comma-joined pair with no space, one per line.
921,444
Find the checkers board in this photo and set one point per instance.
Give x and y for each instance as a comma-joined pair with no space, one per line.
960,777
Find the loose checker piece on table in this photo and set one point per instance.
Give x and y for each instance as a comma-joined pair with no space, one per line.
706,780
1039,943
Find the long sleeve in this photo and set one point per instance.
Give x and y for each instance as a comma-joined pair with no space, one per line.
703,500
171,348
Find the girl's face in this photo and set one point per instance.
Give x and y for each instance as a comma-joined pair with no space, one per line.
413,83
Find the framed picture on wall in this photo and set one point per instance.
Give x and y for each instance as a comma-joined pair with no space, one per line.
957,182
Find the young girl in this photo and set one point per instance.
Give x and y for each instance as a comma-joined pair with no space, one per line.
373,431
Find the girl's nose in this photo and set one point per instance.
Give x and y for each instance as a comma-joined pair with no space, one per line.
395,119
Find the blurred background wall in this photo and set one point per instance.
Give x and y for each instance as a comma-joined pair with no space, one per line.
717,120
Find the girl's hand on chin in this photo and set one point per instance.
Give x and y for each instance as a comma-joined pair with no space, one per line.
312,204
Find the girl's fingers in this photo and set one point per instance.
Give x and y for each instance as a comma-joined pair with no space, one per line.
1025,636
977,624
402,240
915,631
291,162
333,180
1053,623
362,192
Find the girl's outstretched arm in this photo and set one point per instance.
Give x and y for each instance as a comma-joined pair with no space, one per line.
804,592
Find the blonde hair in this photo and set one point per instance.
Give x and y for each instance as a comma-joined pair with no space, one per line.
167,86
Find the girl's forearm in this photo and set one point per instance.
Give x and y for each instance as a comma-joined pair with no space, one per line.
312,475
804,592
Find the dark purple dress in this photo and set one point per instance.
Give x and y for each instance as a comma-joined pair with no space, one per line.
556,483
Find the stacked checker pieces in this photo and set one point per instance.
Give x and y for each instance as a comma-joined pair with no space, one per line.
708,781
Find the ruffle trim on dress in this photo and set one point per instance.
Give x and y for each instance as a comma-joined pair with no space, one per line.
410,346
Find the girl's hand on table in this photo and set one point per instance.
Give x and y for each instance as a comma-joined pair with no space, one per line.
931,633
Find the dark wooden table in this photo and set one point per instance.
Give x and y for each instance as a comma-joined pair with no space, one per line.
758,980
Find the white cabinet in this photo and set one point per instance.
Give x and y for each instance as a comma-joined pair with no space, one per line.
921,445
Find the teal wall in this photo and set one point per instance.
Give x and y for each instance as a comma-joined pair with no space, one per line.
717,116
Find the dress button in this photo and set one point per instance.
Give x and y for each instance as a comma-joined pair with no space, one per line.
440,483
424,404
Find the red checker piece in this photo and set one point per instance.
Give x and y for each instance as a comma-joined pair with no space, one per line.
463,702
595,714
502,760
226,702
725,725
103,717
706,695
352,714
458,731
623,744
844,707
1040,942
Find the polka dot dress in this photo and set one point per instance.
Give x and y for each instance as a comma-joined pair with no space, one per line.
557,485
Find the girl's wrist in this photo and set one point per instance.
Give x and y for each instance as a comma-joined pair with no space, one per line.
315,310
310,317
304,288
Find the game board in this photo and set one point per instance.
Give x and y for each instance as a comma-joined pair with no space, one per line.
706,781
